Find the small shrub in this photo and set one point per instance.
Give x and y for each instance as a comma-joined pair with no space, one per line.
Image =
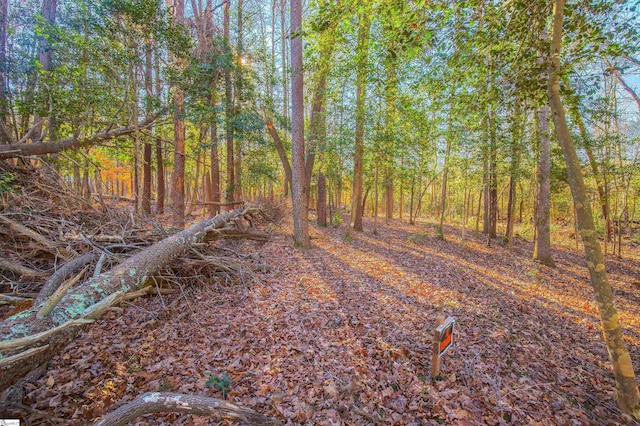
7,180
221,383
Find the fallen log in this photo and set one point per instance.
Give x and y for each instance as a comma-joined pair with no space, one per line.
92,298
167,402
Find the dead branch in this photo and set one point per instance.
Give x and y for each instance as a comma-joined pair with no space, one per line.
44,242
6,299
20,269
147,291
215,234
157,402
95,238
41,148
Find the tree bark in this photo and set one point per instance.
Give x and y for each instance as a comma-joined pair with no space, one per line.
98,293
298,183
160,182
177,177
603,193
228,106
237,156
322,200
163,402
362,54
514,172
282,153
4,105
627,395
49,11
542,248
146,156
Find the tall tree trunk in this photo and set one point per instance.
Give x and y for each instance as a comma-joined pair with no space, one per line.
493,177
603,195
514,172
627,395
317,127
542,248
177,178
146,166
215,164
4,104
285,83
362,54
300,222
445,172
160,181
49,11
237,155
228,106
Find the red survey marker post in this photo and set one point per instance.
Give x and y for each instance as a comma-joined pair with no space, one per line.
442,342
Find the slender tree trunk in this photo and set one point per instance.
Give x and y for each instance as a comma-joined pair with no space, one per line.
229,192
627,395
4,104
282,153
318,124
146,167
215,165
177,178
285,79
513,173
300,222
445,172
237,155
160,181
322,200
375,200
493,177
593,163
49,11
542,248
390,92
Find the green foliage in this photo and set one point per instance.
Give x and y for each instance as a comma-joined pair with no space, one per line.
7,182
221,383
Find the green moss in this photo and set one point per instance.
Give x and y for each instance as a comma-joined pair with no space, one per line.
20,330
20,315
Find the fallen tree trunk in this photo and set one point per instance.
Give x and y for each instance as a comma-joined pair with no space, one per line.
96,295
167,402
41,148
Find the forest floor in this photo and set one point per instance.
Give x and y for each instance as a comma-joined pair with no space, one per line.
341,333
